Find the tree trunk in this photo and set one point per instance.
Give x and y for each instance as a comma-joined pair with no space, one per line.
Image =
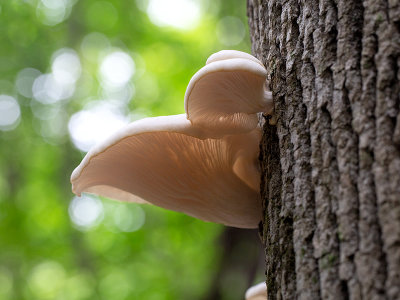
331,165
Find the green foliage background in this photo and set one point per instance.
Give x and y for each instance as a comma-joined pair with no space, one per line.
43,255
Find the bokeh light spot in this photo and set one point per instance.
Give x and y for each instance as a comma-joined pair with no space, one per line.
66,66
44,112
92,44
78,287
47,279
51,12
94,124
123,94
86,211
230,31
47,90
24,81
116,69
116,285
10,112
129,218
181,14
54,129
60,84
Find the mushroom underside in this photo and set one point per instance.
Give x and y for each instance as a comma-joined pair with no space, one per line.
174,171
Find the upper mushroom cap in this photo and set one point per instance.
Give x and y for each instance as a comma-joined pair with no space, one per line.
168,162
225,95
229,54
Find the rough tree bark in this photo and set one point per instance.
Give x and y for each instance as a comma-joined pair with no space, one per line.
331,165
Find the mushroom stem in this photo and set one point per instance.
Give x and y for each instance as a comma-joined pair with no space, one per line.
247,171
269,107
268,103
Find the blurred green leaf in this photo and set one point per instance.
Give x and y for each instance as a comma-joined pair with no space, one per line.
131,252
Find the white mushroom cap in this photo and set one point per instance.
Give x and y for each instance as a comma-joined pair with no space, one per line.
257,292
168,162
225,95
228,54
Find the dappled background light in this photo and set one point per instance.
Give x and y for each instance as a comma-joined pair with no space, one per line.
93,44
128,218
52,12
66,67
95,123
122,94
230,31
72,73
181,14
116,69
47,279
25,80
86,211
47,90
60,83
9,112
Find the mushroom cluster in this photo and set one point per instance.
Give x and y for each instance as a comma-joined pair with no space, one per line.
202,163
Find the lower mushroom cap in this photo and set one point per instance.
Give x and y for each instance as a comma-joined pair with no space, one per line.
171,167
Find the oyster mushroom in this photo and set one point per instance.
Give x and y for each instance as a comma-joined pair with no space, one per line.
203,163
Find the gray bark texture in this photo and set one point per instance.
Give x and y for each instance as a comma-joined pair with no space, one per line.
331,165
